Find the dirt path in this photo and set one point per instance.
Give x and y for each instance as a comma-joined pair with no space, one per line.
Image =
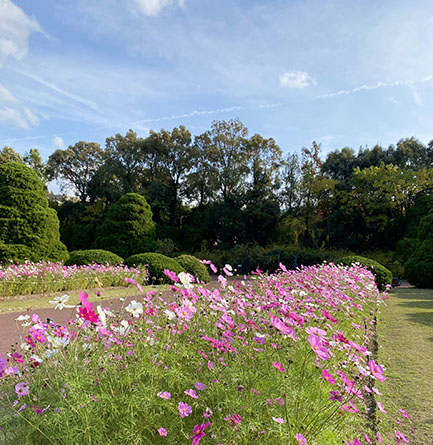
405,336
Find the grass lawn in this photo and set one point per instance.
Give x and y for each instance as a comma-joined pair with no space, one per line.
22,303
405,337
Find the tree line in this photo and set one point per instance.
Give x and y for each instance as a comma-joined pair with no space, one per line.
225,188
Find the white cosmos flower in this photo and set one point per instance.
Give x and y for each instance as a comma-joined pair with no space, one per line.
122,329
60,302
102,316
170,314
186,280
25,319
135,308
229,267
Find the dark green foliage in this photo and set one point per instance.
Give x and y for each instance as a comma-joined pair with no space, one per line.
128,227
28,227
405,248
193,266
423,206
99,256
382,274
419,267
156,263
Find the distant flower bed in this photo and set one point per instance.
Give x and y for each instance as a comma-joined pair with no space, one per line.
281,359
46,277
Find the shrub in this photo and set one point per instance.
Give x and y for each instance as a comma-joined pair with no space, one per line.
28,227
193,266
156,263
128,227
382,274
419,267
99,256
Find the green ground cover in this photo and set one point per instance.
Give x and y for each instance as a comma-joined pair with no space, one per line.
22,303
405,336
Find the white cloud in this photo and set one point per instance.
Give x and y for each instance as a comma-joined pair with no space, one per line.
55,88
154,7
296,79
398,83
58,142
191,114
12,116
6,95
15,29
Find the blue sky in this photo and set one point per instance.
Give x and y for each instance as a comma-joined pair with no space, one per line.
342,73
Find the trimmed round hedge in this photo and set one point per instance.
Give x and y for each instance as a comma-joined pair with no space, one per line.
99,256
419,267
156,263
193,266
382,274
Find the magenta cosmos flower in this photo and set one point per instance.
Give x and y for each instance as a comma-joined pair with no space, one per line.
22,389
279,366
301,439
184,409
376,371
164,395
200,386
328,377
192,393
317,347
162,431
198,433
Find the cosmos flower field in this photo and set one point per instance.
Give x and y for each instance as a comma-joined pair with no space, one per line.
287,358
47,277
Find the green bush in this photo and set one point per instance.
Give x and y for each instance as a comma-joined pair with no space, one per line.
28,227
382,274
156,263
99,256
128,228
419,267
193,266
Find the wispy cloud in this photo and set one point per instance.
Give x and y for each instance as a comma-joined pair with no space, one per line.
296,79
412,84
60,91
12,116
58,142
6,95
15,29
154,7
191,114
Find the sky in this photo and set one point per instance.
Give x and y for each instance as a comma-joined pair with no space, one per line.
341,73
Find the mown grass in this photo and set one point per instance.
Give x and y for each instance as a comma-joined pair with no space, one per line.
405,336
41,301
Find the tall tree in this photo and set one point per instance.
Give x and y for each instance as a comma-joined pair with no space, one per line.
228,152
75,166
176,156
9,154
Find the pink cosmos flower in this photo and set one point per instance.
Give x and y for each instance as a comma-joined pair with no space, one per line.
3,363
278,366
328,377
198,433
213,267
172,275
280,325
379,438
400,437
84,298
22,389
301,439
191,393
88,315
164,395
200,386
278,419
317,347
17,357
184,409
335,395
376,371
208,413
233,419
381,408
404,413
162,431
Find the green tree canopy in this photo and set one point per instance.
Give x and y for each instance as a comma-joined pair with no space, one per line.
128,228
28,227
